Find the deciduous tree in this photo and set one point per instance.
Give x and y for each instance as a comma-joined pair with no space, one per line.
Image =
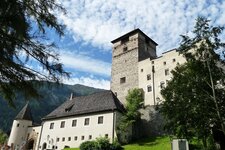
195,97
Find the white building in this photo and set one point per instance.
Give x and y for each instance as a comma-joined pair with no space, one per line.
134,65
75,121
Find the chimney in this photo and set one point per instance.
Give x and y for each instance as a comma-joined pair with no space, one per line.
71,96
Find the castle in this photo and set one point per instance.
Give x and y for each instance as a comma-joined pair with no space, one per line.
134,65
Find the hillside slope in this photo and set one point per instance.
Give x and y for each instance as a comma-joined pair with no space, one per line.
53,95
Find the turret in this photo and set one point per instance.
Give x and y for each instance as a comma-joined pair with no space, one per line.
22,121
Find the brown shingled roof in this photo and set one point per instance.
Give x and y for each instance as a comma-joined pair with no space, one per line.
97,102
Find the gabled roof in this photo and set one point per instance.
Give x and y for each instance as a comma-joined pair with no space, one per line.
131,33
97,102
24,114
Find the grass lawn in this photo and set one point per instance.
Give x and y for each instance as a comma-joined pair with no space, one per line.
154,143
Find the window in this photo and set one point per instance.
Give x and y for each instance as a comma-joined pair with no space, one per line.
152,62
100,120
125,49
63,139
122,80
106,135
167,72
82,137
51,125
75,138
90,137
174,60
162,84
18,125
69,138
57,139
74,123
86,121
142,70
62,124
148,76
149,88
164,63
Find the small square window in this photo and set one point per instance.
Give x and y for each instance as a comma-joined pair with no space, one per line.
69,138
174,60
149,88
142,70
167,72
164,63
62,124
106,135
75,138
86,121
74,123
148,76
90,137
18,125
100,120
63,139
122,80
51,125
152,62
57,139
82,137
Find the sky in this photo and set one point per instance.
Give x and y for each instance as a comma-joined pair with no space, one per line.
91,25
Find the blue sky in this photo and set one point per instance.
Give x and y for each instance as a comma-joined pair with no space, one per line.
85,50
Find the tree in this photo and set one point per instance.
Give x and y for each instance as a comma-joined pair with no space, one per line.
23,25
134,102
195,97
3,137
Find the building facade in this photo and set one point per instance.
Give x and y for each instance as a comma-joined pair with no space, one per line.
136,65
75,121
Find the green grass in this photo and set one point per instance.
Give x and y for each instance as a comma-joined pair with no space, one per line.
154,143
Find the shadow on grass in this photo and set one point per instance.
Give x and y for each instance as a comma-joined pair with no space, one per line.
151,141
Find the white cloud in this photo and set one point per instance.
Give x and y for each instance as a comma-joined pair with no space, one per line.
89,81
80,62
99,21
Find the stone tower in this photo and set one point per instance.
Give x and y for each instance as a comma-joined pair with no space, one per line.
128,50
19,128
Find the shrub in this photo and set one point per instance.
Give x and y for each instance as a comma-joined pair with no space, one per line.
100,144
88,145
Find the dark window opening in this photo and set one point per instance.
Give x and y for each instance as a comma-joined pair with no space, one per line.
82,138
51,125
124,49
122,80
100,120
167,72
74,123
149,88
86,121
62,124
148,76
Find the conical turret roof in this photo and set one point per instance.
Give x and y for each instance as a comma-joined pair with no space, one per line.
24,114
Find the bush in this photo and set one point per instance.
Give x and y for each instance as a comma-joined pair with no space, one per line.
100,144
88,145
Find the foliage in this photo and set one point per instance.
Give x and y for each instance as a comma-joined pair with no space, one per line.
134,102
3,137
88,145
194,100
23,27
100,143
